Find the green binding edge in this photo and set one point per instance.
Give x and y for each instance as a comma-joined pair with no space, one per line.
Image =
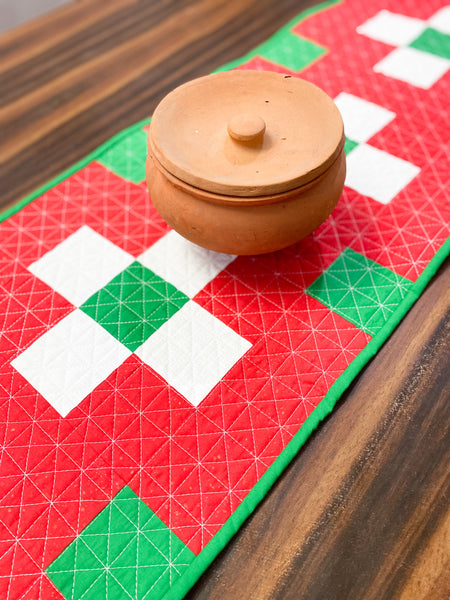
273,40
262,487
12,210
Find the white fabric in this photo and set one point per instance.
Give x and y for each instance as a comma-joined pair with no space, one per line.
392,28
70,360
362,119
193,350
81,265
377,174
183,264
441,20
415,67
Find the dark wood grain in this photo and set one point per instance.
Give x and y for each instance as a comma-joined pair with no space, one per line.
362,512
109,65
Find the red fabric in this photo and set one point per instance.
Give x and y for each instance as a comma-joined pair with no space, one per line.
193,466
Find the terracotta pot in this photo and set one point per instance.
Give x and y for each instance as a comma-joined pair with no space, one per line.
246,162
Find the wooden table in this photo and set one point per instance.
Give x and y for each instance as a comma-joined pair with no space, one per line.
361,513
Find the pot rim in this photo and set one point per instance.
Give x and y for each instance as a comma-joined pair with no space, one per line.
224,199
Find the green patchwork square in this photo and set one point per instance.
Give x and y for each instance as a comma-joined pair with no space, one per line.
290,50
433,41
134,304
349,145
126,157
360,290
125,552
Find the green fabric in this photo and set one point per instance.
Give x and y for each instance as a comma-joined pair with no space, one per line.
349,145
360,290
125,552
127,157
434,42
285,47
134,304
294,53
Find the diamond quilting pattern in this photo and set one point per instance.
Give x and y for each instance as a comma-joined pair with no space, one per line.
116,209
186,266
91,260
127,157
52,486
193,351
371,171
126,551
70,360
192,466
28,308
360,290
230,441
422,54
134,304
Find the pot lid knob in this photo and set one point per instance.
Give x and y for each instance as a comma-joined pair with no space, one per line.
246,127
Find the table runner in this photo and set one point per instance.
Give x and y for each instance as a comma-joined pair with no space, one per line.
151,391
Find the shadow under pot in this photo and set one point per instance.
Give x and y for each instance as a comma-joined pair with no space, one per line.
245,162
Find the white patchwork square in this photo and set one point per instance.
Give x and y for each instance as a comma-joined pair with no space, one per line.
183,264
392,29
81,265
418,68
362,119
193,350
441,20
377,174
70,360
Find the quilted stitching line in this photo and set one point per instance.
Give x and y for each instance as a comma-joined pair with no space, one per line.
400,252
52,498
123,294
131,528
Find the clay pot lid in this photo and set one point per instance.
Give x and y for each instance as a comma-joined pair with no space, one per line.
246,133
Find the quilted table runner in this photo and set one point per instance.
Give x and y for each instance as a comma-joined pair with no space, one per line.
152,391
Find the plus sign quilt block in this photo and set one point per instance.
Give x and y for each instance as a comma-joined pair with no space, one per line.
422,54
151,391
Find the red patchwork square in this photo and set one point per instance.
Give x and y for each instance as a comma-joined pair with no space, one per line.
28,308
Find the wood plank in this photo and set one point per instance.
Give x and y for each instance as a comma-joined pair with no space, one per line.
34,37
91,85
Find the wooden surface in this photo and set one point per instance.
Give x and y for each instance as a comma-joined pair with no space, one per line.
361,513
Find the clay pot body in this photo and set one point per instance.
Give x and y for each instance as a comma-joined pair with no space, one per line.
239,225
245,162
